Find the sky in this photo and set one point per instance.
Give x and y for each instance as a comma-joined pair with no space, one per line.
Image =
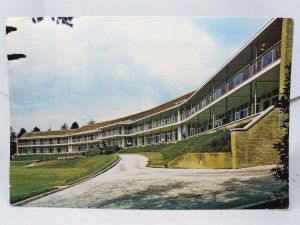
109,67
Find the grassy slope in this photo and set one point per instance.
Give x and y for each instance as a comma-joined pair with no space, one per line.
214,142
151,151
159,155
31,181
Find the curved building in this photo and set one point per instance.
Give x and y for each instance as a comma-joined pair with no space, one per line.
244,89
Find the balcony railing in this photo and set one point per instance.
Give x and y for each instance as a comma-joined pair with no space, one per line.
243,75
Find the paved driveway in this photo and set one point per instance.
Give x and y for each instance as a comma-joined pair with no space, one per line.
132,185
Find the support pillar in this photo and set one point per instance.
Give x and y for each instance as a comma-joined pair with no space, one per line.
250,98
226,109
198,126
213,118
255,98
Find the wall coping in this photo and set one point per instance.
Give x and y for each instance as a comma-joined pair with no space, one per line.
249,125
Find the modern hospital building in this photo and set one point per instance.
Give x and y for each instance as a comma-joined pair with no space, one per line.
243,91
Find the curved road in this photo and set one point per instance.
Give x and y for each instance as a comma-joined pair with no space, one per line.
132,185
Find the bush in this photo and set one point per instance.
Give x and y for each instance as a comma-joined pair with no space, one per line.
110,150
93,152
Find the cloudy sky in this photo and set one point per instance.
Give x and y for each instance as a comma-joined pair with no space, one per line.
108,67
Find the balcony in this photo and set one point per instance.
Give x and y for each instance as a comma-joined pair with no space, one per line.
239,78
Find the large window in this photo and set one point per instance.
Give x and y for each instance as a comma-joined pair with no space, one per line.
217,93
237,116
203,103
267,59
237,80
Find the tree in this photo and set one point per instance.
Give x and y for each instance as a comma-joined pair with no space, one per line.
22,131
36,129
10,29
13,142
13,135
49,128
15,56
74,125
10,57
64,127
281,171
91,121
59,20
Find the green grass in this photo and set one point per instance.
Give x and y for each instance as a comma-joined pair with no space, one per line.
160,155
155,159
218,141
30,181
44,157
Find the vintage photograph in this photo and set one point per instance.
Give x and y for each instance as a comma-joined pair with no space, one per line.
149,112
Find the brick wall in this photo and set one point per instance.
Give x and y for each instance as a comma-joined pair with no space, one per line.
254,146
286,49
218,160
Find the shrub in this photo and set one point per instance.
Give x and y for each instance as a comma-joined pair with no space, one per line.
93,152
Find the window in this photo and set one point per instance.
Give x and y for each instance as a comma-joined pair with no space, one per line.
237,80
267,59
266,104
203,103
274,100
193,110
217,93
246,112
237,116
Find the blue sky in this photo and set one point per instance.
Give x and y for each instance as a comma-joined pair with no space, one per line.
108,67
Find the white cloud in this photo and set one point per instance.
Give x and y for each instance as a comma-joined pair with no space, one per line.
105,64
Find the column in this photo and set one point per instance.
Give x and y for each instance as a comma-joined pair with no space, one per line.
255,98
179,132
226,109
250,98
213,118
198,126
70,149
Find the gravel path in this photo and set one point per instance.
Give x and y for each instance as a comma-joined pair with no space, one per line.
132,185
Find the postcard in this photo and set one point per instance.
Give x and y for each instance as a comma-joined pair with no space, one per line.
149,112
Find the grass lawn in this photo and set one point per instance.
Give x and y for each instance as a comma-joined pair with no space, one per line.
30,181
159,155
43,157
155,159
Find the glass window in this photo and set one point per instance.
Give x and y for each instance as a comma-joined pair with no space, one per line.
237,80
237,116
266,104
217,93
203,103
267,59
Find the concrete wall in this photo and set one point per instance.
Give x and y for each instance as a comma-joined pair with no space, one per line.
218,160
254,146
286,49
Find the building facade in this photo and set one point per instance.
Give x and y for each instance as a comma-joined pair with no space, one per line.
246,86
